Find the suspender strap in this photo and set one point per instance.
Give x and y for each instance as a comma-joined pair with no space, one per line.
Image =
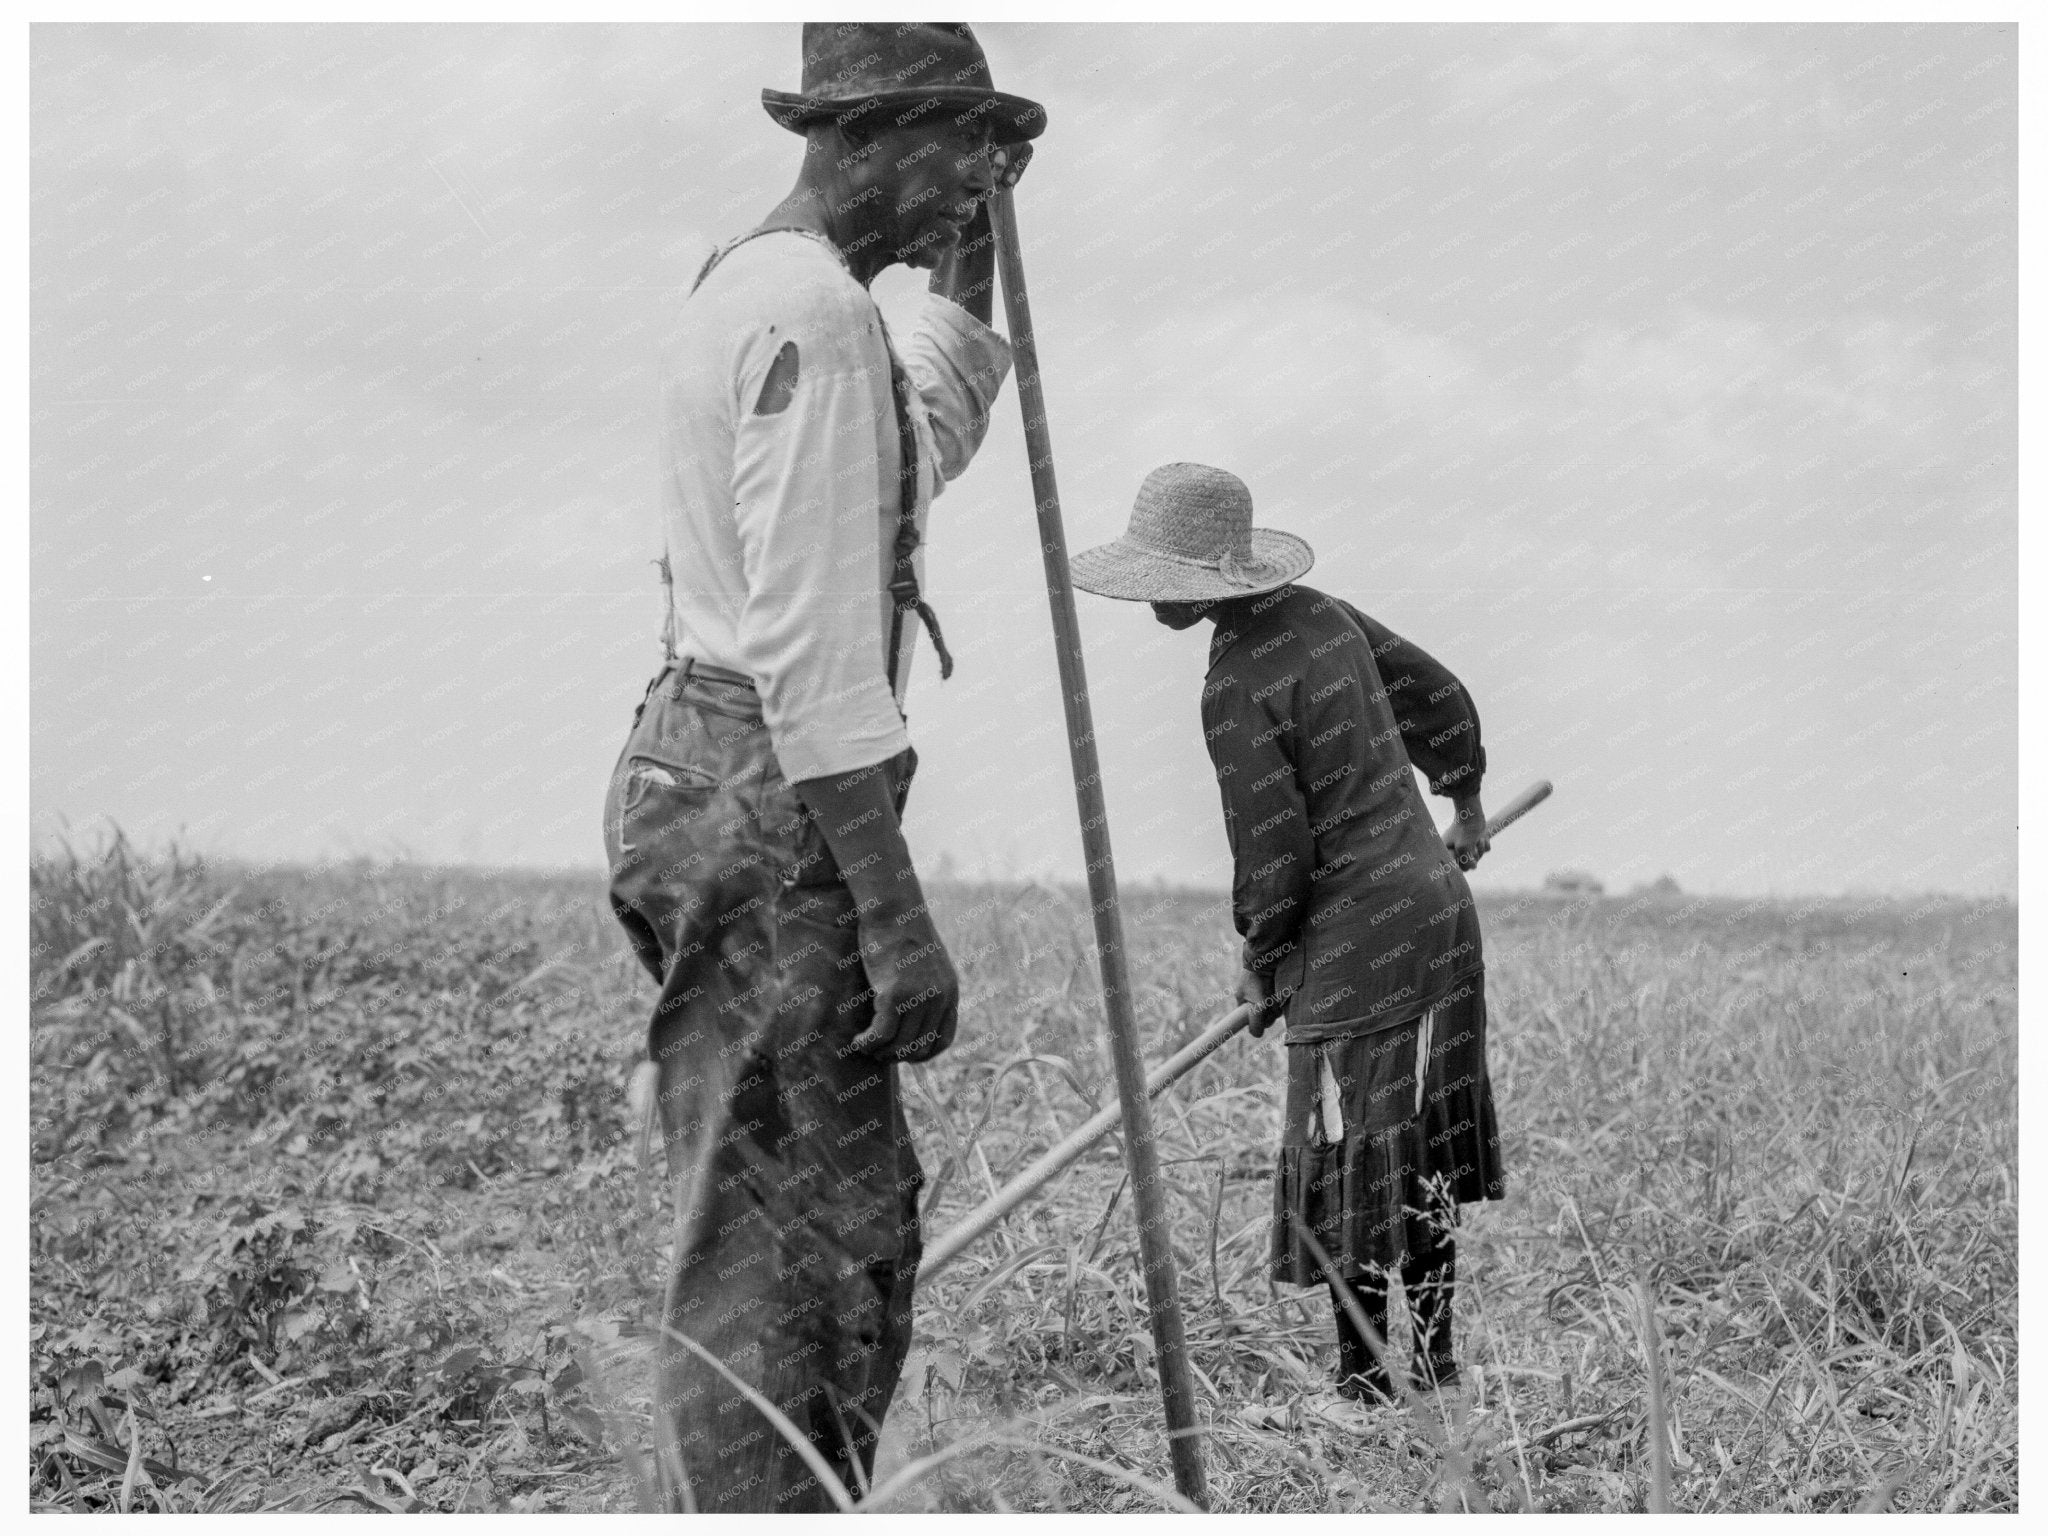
904,595
668,619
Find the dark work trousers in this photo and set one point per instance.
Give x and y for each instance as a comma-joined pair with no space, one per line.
796,1183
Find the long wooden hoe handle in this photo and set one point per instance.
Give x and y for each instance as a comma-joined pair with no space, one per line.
977,1223
1148,1195
980,1221
1518,807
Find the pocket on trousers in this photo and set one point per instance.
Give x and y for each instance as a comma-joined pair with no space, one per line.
655,795
672,753
646,775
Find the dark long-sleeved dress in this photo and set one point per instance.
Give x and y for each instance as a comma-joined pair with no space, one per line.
1355,912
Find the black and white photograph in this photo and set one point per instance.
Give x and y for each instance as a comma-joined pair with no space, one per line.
1139,765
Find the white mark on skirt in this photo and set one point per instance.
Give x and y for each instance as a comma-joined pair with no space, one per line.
1422,1034
1332,1104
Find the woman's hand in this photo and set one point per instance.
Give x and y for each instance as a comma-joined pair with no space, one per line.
1252,989
1466,837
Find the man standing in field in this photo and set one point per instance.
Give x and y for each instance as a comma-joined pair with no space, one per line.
752,825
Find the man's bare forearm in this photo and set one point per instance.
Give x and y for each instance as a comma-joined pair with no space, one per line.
915,989
856,813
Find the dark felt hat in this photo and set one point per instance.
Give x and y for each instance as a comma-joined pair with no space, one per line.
883,71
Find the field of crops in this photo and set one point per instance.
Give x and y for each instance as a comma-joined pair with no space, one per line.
335,1205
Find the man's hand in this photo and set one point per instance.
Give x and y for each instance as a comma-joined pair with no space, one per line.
1252,988
916,991
966,271
1466,837
1008,162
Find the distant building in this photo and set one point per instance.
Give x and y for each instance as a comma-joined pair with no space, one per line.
1573,882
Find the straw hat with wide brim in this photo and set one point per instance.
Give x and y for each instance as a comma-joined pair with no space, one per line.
881,72
1191,540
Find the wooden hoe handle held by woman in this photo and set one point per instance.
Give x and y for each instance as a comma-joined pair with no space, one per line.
985,1217
1518,807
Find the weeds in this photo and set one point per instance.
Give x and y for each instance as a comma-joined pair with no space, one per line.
1797,1122
332,1190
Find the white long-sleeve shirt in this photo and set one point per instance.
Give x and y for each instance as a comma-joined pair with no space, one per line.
781,525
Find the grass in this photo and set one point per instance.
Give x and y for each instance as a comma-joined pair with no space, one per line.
334,1205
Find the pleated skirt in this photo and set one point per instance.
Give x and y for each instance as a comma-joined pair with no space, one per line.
1373,1167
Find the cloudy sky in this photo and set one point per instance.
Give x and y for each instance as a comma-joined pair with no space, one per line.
1659,380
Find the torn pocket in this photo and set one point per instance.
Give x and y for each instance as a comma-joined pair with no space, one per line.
645,777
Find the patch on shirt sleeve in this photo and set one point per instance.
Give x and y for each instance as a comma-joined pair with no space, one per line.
779,388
